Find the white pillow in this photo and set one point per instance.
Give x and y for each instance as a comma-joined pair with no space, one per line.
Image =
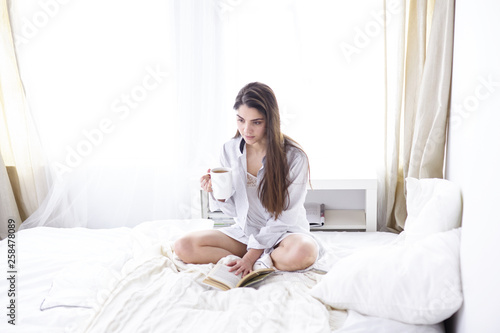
433,205
416,284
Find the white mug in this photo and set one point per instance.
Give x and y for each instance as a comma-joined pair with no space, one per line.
222,183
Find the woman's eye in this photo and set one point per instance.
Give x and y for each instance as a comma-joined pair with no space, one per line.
257,123
239,120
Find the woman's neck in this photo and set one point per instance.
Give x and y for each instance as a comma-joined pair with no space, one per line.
259,151
259,148
255,156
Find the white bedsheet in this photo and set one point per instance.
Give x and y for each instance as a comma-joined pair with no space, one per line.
128,280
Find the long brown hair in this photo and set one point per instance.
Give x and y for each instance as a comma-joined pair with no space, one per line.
273,189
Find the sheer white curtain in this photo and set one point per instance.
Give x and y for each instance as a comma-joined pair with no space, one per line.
419,61
23,181
325,61
134,99
127,98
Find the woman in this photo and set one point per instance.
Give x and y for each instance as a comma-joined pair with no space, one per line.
270,175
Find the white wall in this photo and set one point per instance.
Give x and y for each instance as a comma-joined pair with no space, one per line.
474,160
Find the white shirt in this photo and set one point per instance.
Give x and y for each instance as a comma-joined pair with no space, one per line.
264,232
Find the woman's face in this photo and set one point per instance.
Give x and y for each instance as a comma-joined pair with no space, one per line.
251,125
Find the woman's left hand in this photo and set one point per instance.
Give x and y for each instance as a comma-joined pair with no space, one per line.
242,265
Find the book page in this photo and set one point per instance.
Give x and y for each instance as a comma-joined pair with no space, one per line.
221,273
255,277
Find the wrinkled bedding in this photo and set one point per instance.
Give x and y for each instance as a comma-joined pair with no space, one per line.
162,295
157,292
129,280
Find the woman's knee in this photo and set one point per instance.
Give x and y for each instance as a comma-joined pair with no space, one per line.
184,248
299,253
306,253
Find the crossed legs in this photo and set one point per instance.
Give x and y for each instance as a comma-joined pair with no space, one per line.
295,252
207,246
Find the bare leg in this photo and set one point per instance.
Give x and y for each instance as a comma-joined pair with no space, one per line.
207,246
295,252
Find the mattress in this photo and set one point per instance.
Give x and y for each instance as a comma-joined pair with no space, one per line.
129,280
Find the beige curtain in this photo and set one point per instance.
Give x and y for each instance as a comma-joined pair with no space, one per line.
22,171
8,206
419,45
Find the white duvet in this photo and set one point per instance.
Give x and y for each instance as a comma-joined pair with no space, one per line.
129,280
160,296
156,292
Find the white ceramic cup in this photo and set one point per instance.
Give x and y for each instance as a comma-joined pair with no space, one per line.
222,182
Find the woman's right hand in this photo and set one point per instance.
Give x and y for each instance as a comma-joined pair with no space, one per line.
206,183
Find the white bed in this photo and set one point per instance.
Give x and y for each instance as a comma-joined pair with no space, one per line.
128,280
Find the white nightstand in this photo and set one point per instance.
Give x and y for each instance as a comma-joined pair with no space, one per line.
350,203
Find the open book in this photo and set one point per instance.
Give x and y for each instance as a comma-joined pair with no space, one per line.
220,277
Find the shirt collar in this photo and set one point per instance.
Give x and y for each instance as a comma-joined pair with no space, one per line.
243,154
242,145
